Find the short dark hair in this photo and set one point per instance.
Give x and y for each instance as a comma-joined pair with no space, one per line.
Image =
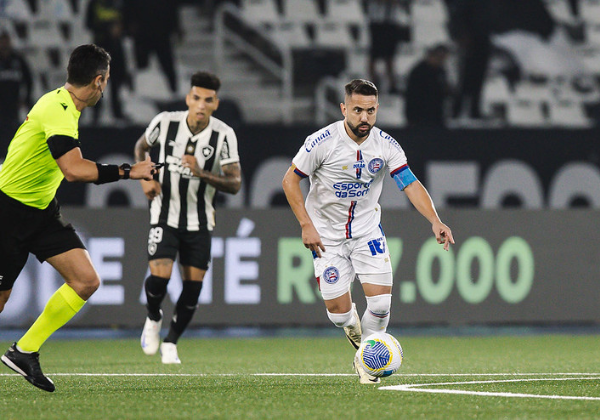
87,62
206,80
361,87
438,49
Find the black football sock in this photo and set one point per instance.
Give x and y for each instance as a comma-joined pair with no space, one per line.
184,310
156,290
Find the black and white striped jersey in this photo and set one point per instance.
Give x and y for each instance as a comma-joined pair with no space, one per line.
186,202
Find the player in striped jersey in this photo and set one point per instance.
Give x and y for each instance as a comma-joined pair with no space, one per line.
201,157
346,162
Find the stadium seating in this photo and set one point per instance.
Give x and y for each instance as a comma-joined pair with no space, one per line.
48,34
333,35
568,114
18,10
525,113
291,34
432,11
347,11
260,11
305,11
590,10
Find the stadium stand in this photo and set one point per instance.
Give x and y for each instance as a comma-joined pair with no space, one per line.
279,50
306,11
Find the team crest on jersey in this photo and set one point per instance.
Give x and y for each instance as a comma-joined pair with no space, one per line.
152,248
375,165
331,275
207,151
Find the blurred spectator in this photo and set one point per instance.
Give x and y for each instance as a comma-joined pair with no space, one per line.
152,24
16,85
576,26
386,32
470,27
427,89
104,18
540,45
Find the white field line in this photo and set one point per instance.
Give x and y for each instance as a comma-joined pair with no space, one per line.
447,375
427,388
525,377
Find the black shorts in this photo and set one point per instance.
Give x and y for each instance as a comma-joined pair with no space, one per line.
193,246
25,229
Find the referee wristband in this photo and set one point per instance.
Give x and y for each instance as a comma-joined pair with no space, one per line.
107,173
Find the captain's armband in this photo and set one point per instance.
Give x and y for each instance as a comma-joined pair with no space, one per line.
403,177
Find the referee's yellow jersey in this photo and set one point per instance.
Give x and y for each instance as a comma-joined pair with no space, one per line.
30,174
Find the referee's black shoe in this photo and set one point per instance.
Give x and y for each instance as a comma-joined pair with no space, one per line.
28,365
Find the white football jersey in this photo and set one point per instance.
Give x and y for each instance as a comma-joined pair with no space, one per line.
346,179
187,202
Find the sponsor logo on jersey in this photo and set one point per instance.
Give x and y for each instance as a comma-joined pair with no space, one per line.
331,275
377,246
392,140
375,165
351,189
174,165
312,142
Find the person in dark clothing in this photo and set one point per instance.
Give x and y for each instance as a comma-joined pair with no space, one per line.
16,86
471,28
427,89
152,24
105,19
386,33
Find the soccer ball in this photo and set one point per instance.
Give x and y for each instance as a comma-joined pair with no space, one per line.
380,354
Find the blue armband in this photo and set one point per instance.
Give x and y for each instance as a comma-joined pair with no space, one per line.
403,177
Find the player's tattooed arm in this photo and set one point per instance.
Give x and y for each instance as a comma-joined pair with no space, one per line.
229,181
141,149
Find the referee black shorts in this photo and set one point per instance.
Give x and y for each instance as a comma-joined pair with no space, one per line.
25,229
193,247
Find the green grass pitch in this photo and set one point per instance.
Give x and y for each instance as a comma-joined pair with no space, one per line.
489,377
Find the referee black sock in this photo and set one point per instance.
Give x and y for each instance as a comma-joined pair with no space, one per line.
156,290
184,310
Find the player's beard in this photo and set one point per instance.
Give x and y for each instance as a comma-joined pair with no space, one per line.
357,133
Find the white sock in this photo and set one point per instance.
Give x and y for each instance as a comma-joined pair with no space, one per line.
377,315
343,320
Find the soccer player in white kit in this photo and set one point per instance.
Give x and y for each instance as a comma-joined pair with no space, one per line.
346,162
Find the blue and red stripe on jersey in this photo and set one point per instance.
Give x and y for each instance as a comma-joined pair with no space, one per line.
359,164
398,170
299,172
350,219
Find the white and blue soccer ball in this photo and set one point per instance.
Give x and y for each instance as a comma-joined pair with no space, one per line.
380,354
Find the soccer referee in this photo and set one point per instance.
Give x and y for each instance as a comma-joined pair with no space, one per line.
45,150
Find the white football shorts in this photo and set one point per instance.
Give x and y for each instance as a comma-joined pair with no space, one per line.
344,260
